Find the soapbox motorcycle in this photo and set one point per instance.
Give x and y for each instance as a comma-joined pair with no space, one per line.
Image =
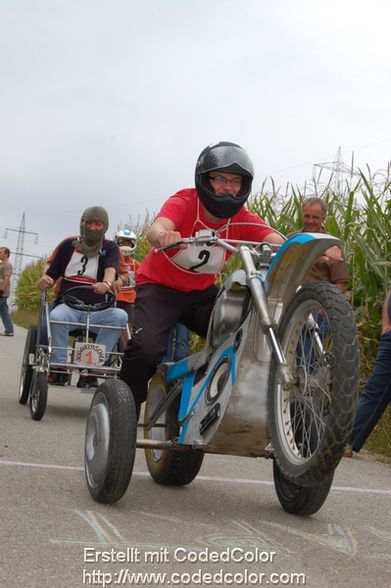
278,377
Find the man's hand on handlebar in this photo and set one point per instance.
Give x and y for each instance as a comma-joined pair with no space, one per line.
165,238
101,287
45,282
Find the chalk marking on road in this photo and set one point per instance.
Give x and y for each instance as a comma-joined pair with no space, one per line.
105,535
245,536
338,538
199,478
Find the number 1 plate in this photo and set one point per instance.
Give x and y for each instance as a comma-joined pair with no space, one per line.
89,354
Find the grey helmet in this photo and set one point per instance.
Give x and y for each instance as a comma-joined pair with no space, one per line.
226,157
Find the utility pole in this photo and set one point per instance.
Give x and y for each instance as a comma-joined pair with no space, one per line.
20,252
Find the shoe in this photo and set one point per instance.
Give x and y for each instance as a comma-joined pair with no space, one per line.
7,334
87,382
348,451
58,379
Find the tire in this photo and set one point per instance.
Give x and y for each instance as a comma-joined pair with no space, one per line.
39,396
27,371
300,500
110,441
173,467
311,423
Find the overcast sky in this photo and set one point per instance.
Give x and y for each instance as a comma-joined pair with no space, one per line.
111,101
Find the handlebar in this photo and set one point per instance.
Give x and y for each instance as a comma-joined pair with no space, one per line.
209,237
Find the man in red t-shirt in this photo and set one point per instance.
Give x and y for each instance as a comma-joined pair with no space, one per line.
178,285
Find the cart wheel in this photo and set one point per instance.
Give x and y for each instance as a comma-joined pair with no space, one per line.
26,373
300,500
39,396
110,441
176,467
311,422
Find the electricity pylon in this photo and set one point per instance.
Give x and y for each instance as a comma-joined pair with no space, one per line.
339,169
19,253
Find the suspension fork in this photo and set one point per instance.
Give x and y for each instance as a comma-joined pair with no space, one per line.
268,324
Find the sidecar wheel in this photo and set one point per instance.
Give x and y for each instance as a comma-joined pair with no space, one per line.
38,396
168,466
26,373
110,441
311,422
300,500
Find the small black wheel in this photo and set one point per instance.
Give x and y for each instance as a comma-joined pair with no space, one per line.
110,441
175,467
27,371
38,395
300,500
311,422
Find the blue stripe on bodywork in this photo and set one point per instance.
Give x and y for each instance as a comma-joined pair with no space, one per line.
178,370
187,387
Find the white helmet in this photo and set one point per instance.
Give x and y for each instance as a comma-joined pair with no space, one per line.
126,238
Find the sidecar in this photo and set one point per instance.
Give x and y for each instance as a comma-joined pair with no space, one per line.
277,378
84,357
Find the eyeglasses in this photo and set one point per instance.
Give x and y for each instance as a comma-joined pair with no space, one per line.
237,182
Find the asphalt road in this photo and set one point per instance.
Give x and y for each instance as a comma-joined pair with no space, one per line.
225,529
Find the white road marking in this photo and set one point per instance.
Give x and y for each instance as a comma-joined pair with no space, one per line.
379,491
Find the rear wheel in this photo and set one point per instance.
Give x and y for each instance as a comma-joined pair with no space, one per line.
300,500
311,422
39,396
176,467
27,371
110,441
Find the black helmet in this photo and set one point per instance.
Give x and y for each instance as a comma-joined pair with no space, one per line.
230,158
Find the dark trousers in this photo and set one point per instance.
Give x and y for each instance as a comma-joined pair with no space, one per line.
156,311
376,396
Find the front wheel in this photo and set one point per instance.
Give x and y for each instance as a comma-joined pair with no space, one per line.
300,500
26,373
110,441
176,467
39,396
310,422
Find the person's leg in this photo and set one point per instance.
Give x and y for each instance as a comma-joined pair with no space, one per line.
198,310
169,354
156,311
111,317
5,315
376,396
181,342
59,332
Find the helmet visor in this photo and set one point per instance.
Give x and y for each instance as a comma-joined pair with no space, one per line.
232,159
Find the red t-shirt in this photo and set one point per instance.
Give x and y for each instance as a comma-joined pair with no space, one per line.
196,268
